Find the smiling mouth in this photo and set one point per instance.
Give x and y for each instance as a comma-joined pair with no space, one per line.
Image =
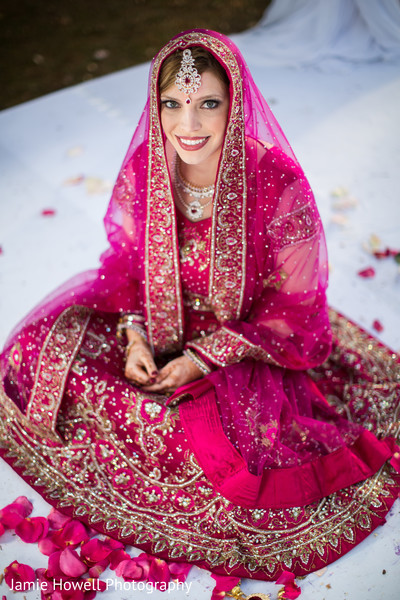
192,143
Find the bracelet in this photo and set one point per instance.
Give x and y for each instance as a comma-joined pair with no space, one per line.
132,322
195,358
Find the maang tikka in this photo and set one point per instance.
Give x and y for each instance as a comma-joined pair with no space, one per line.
188,79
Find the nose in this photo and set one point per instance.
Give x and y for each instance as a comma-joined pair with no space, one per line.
190,119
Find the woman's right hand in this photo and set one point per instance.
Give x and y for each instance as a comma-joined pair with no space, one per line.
140,367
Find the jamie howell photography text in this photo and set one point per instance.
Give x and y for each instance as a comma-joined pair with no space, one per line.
98,586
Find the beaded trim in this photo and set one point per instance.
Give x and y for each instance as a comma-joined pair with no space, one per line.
195,358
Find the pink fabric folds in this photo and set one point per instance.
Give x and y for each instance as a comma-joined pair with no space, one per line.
278,487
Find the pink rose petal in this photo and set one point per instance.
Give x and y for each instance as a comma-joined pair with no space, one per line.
377,325
144,561
117,556
223,584
129,570
45,581
32,529
2,530
159,572
72,534
291,589
14,513
48,212
179,571
47,546
95,550
367,273
57,520
71,564
286,577
53,565
16,574
96,570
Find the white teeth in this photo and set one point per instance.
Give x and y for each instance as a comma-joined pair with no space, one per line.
190,142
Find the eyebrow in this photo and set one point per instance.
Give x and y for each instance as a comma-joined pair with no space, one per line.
201,99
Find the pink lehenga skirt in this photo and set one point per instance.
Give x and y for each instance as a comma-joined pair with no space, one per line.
96,447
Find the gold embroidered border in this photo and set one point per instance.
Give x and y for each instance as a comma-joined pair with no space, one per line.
56,357
228,237
223,534
226,347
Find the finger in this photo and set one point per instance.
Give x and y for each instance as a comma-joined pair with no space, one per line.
149,365
135,373
166,385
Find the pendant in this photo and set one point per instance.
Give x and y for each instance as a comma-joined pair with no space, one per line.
194,210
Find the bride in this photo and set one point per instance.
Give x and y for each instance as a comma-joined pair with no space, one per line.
194,396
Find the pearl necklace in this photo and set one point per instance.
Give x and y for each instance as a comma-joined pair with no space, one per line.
194,209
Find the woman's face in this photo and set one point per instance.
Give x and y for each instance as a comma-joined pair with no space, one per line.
196,130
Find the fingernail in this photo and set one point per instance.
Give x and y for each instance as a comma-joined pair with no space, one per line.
154,373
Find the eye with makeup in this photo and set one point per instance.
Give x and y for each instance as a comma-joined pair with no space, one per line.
210,104
207,104
169,104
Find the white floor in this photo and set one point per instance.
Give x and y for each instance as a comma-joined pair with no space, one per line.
63,151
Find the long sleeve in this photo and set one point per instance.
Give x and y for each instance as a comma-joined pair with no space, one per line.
288,323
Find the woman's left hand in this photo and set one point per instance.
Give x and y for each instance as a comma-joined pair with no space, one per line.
176,373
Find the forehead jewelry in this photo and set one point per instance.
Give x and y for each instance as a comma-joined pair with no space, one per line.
188,79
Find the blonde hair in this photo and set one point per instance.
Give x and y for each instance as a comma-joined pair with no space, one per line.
203,60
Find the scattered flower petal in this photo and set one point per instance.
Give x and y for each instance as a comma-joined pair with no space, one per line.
47,546
339,192
14,513
71,564
340,219
159,572
179,571
94,551
377,325
32,529
117,556
95,185
129,570
223,584
345,203
367,273
291,590
72,534
57,520
48,212
16,574
386,253
374,241
96,570
74,180
2,529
